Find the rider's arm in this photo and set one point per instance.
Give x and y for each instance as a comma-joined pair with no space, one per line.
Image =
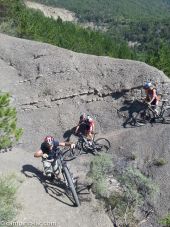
38,154
147,96
93,128
70,144
77,128
41,151
63,144
154,96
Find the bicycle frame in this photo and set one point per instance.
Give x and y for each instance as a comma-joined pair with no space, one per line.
60,160
67,176
160,115
162,108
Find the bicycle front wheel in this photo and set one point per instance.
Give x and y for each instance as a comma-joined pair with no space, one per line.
71,185
166,116
102,145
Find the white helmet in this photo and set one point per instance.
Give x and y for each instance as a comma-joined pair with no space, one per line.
147,85
89,119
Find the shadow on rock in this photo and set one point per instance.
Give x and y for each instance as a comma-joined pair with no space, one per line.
56,188
67,134
131,108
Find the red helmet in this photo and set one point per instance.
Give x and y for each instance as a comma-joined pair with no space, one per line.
49,140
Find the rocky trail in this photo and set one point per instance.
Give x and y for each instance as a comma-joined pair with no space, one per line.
42,201
50,87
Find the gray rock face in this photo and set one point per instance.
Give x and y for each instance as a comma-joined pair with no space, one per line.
51,86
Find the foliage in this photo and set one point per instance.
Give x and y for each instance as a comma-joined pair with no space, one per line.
8,207
109,10
165,221
99,168
32,24
136,189
9,133
160,162
7,27
144,24
136,183
160,58
150,39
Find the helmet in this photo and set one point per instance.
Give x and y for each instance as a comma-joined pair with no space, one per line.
89,119
49,140
82,116
147,85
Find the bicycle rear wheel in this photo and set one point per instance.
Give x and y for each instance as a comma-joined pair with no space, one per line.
71,186
166,116
102,145
140,119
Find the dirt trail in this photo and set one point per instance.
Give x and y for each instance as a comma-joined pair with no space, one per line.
43,202
54,12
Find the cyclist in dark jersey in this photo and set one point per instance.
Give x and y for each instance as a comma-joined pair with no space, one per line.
85,126
48,152
81,126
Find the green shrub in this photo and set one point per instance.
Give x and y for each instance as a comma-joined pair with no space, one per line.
136,187
99,168
8,27
9,133
165,221
32,24
8,188
160,162
137,182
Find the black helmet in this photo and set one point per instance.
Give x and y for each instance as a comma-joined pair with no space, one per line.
82,116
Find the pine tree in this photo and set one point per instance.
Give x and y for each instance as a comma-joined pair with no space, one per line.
9,133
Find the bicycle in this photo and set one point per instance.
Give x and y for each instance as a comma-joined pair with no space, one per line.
149,115
67,176
84,146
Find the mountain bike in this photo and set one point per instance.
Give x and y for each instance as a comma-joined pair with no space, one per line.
149,115
84,145
64,170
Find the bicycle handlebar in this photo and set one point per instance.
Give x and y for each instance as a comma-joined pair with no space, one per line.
57,154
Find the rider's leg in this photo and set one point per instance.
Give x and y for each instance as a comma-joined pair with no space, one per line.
154,105
48,170
90,136
57,170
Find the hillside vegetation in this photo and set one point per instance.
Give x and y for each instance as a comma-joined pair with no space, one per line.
105,11
9,133
8,187
148,39
145,25
30,24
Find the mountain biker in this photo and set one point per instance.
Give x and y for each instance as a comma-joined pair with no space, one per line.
85,126
151,95
48,152
80,128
